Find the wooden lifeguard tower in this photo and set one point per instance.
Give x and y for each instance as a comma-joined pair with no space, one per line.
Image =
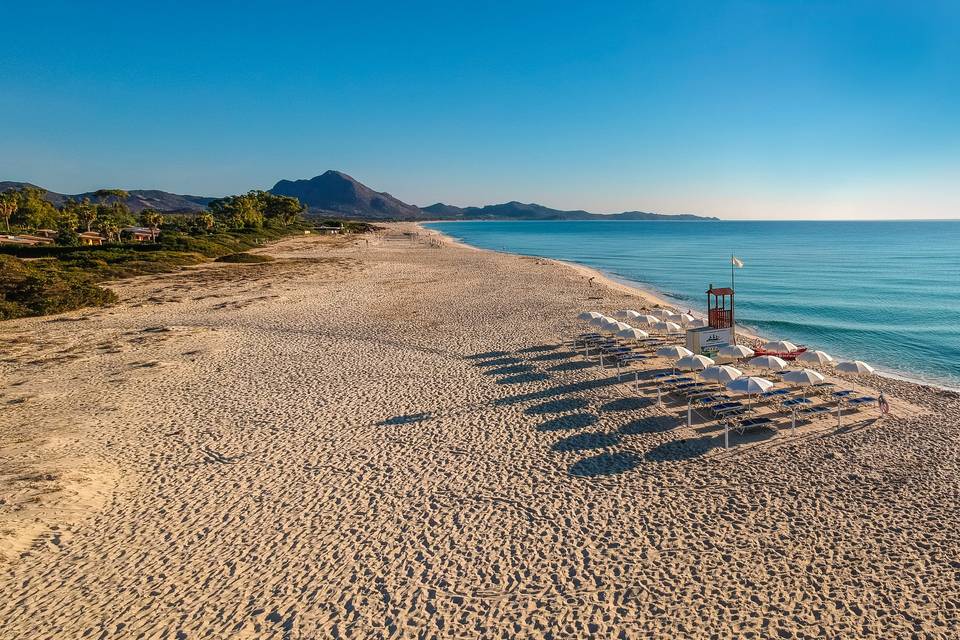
720,307
720,328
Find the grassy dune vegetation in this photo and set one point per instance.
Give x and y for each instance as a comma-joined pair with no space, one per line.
70,279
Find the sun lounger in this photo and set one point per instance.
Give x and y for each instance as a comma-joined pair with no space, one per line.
796,402
753,422
732,412
818,410
862,400
776,393
843,393
706,400
726,408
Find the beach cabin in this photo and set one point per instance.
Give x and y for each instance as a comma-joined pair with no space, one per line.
138,234
326,230
18,240
91,238
37,239
720,330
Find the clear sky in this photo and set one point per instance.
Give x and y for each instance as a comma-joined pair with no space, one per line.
737,109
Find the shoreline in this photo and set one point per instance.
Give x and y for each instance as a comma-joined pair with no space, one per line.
659,298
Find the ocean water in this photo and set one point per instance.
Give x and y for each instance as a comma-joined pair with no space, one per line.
887,293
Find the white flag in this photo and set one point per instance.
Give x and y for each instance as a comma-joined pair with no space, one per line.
737,262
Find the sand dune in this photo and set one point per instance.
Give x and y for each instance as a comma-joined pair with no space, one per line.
395,440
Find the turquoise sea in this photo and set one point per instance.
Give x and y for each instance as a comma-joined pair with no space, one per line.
887,293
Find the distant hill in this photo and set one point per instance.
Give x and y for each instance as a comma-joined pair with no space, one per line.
521,211
137,200
339,194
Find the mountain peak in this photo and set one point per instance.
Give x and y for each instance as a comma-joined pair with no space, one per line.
340,194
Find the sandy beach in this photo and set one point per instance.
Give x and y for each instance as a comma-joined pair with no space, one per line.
386,437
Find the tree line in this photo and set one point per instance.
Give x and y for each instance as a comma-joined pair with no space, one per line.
27,209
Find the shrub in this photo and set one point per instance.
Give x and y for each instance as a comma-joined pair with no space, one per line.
244,258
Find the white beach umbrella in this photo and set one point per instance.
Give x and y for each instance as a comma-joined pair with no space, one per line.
780,346
674,352
856,367
610,326
685,319
694,362
667,327
815,357
662,313
631,314
622,314
749,385
587,316
599,321
803,377
773,363
632,334
736,351
620,326
721,374
646,320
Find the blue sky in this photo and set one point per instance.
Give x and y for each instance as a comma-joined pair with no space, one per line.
734,109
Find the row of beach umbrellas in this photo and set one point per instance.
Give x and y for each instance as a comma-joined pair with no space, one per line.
651,318
658,320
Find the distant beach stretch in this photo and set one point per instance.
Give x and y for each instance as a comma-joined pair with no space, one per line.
395,435
886,292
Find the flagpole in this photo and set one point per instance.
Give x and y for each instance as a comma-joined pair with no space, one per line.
731,273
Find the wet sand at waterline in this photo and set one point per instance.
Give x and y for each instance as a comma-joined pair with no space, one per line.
397,440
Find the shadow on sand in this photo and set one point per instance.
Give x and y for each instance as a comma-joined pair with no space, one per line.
585,441
573,421
686,449
524,377
487,355
605,464
537,348
626,404
565,389
556,355
407,419
499,362
510,369
651,424
571,366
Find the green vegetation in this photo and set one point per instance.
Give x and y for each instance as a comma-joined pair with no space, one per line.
46,279
245,258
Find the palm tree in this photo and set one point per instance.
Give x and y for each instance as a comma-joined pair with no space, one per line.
204,221
152,219
86,213
8,206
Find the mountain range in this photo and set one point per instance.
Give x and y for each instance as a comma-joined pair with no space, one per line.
334,193
137,200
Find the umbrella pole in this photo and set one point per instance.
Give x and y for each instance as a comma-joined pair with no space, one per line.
659,402
726,436
793,425
839,404
689,412
636,382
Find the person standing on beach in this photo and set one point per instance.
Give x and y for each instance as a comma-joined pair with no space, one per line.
883,405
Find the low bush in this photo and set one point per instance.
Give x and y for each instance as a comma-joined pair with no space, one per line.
244,258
